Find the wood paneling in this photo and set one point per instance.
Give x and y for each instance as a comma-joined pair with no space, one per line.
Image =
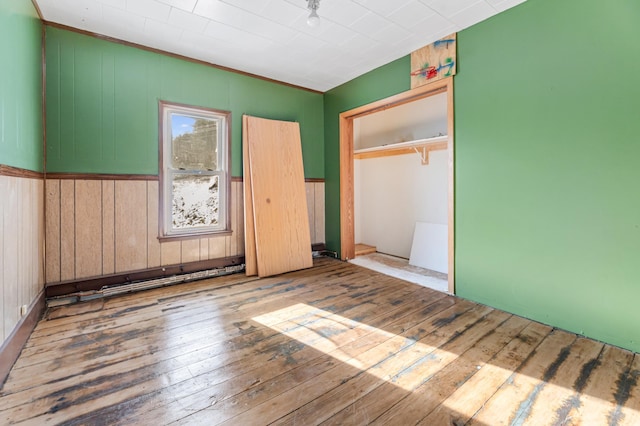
335,344
112,219
153,245
67,230
311,214
217,247
278,193
3,206
88,259
131,226
38,237
21,248
108,228
10,265
238,205
204,248
234,242
53,230
318,213
190,250
170,252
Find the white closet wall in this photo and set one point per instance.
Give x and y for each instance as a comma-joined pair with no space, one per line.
393,193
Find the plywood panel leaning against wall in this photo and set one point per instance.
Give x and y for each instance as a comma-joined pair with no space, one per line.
281,221
251,266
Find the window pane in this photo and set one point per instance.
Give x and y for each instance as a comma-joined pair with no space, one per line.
195,201
193,143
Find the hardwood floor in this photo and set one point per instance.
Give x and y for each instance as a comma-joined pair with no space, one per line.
335,344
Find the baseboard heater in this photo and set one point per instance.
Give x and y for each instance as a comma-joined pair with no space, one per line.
115,290
62,293
109,285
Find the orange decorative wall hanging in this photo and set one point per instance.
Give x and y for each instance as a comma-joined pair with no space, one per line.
433,62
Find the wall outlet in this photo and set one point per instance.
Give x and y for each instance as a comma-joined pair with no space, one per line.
23,310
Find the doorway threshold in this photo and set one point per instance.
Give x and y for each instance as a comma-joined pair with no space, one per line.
399,268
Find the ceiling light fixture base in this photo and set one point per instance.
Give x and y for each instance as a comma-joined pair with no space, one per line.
313,20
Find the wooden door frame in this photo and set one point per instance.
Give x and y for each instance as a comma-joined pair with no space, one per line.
347,219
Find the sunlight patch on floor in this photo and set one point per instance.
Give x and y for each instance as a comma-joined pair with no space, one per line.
396,359
401,361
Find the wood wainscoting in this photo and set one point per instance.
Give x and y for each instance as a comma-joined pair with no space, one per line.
97,227
21,259
336,344
21,247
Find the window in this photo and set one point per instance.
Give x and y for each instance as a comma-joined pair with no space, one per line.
194,164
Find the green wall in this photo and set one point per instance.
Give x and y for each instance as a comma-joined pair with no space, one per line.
547,202
20,85
547,215
378,84
102,105
546,105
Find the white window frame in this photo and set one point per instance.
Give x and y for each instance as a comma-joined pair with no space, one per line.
167,172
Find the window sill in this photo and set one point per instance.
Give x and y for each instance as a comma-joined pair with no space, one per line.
167,238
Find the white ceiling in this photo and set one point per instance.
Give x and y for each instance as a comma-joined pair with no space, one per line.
271,38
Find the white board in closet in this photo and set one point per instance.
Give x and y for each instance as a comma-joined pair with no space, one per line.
430,247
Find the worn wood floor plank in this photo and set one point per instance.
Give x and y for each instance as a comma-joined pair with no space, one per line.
189,402
170,319
202,291
557,396
242,332
353,297
297,357
607,390
355,363
630,408
377,395
470,378
512,402
335,344
373,404
196,315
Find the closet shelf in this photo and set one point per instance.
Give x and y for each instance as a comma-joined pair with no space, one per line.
420,146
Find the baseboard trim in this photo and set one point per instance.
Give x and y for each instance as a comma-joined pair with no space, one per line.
318,247
11,348
96,283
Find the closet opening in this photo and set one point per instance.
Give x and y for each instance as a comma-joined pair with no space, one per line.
396,194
